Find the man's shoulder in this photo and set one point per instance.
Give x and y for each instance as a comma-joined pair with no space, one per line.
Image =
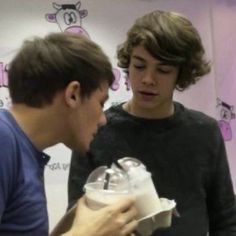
115,114
199,117
114,109
116,118
9,139
5,126
195,119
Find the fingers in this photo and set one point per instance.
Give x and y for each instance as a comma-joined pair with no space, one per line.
123,205
125,214
130,222
129,228
82,204
82,200
116,219
129,215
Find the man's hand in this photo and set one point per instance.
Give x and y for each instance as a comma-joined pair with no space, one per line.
116,219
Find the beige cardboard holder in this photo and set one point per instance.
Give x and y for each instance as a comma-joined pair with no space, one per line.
157,220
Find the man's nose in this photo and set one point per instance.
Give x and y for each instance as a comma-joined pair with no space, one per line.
149,78
103,120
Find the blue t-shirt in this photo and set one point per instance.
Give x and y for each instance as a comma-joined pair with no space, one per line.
23,209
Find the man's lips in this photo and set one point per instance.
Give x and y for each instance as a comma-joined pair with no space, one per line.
148,93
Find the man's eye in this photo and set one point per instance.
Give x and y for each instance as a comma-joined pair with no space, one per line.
139,67
164,70
102,104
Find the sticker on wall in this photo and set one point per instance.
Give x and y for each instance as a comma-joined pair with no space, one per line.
3,75
226,114
116,84
68,17
5,101
127,83
118,77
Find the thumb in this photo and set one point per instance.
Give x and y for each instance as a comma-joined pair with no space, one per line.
81,205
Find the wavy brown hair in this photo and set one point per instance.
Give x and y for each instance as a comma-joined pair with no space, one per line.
169,37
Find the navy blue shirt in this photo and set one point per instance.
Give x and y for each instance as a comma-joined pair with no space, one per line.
23,209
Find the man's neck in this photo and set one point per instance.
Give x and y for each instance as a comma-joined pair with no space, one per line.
37,124
149,113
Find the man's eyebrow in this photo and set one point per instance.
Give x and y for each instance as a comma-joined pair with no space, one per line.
161,63
138,58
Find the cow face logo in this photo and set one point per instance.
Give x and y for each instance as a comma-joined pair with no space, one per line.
68,18
116,84
3,75
226,114
5,100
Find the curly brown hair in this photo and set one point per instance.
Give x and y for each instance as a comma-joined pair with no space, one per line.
169,37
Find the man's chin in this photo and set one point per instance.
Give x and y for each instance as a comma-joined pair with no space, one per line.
83,150
78,147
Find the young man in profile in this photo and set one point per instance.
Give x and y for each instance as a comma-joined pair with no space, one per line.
58,85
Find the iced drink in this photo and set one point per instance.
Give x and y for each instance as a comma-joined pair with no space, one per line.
97,197
129,177
147,201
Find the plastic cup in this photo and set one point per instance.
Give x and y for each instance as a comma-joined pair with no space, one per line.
97,197
129,177
147,200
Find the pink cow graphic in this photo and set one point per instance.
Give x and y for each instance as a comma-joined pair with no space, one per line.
68,17
116,84
3,75
127,83
5,100
226,115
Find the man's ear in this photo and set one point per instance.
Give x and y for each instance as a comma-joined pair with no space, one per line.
72,94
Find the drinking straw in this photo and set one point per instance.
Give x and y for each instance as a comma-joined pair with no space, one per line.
108,174
107,180
119,165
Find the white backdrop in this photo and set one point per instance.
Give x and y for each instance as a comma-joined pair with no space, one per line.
106,22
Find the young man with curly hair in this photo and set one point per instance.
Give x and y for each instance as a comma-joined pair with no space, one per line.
181,147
